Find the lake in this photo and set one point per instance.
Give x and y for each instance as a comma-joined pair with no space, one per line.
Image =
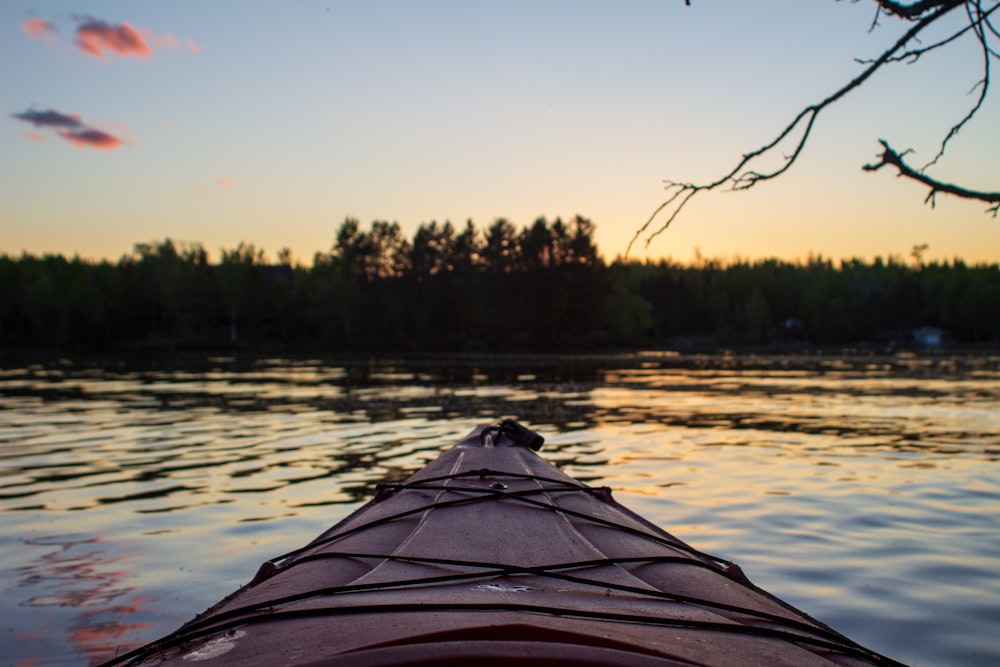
862,488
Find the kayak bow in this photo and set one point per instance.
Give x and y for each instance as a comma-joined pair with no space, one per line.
491,555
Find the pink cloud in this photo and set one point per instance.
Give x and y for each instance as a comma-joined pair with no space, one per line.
50,118
103,40
69,127
95,37
167,41
164,41
41,30
219,184
91,138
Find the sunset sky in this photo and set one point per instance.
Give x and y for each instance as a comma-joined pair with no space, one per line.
271,122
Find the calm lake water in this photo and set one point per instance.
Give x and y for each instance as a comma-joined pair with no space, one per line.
864,489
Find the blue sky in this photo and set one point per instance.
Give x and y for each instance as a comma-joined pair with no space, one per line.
271,122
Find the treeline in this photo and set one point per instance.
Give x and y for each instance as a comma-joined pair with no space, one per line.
544,286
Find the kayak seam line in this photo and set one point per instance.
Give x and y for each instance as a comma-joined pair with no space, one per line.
659,539
387,519
501,570
488,472
576,530
569,483
423,519
487,494
748,630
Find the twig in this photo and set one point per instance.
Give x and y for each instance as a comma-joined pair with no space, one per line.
975,22
891,157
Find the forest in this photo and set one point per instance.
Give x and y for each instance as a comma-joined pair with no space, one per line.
542,287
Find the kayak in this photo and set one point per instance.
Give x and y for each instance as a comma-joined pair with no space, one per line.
491,555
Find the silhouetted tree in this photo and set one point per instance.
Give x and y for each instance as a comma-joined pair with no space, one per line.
444,294
500,252
237,282
582,247
465,253
432,249
535,246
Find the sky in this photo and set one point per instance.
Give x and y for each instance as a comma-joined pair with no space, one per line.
270,123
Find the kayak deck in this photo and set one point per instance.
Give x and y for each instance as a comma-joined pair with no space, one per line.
491,554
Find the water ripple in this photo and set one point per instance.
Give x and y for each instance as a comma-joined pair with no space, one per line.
859,487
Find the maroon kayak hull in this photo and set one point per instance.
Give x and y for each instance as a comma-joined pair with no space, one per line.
490,554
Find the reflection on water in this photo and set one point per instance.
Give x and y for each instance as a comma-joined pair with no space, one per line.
79,573
864,489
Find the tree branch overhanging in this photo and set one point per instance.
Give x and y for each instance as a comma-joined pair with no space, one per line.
922,14
890,156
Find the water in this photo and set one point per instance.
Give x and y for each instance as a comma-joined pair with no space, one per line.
863,489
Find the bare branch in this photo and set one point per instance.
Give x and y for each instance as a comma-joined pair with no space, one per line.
688,190
912,12
890,157
975,22
741,178
922,14
989,26
983,26
912,55
918,9
875,23
983,86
